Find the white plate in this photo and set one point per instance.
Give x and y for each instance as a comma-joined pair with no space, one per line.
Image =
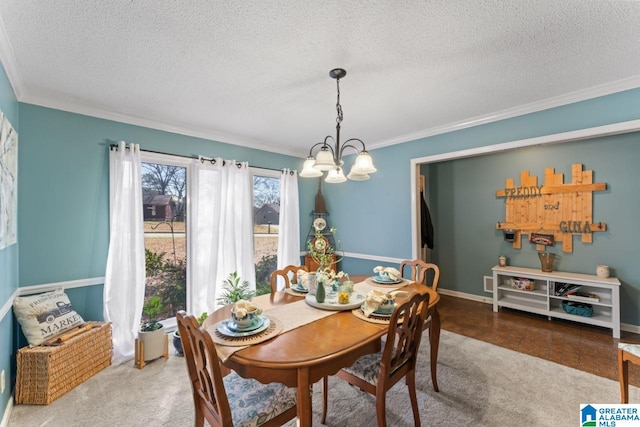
233,326
380,280
377,313
331,301
299,288
224,329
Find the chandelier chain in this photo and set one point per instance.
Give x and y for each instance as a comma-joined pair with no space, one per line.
338,106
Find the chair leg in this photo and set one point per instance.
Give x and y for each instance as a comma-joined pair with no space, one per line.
199,417
381,407
325,398
623,377
411,385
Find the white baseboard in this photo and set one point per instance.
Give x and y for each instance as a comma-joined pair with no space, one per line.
634,329
464,295
7,413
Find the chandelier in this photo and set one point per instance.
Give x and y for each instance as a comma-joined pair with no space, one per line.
329,152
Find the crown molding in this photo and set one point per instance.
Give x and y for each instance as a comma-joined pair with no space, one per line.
100,113
558,101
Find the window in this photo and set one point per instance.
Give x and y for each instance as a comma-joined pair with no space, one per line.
165,200
164,197
266,225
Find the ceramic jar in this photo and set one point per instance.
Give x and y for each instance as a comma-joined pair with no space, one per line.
602,271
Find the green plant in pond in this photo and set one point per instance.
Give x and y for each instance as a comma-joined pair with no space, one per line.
234,290
152,308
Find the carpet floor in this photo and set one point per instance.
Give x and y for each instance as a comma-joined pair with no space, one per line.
480,384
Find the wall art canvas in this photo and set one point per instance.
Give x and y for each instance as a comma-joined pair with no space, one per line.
8,182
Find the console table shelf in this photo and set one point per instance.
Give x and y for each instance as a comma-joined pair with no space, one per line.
542,300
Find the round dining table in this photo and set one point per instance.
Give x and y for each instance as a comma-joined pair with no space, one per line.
304,355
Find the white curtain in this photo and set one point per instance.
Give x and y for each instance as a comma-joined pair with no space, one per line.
289,234
221,232
125,274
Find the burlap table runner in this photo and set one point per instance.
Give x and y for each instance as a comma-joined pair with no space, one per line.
291,316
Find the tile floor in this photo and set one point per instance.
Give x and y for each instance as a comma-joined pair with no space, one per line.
588,348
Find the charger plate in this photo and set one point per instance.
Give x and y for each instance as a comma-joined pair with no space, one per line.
371,281
295,293
274,329
383,320
379,280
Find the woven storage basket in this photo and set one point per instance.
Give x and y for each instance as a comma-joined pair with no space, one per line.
46,373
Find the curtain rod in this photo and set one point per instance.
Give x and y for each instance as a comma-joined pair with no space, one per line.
201,158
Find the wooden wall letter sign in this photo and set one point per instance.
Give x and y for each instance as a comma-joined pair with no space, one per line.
554,208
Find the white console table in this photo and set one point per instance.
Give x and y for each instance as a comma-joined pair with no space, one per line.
542,300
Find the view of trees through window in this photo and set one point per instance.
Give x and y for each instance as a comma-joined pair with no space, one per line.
164,195
164,192
266,225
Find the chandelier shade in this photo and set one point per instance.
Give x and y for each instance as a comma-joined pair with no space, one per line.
324,160
328,155
335,176
308,171
354,176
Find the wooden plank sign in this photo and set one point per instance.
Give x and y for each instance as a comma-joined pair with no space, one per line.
554,208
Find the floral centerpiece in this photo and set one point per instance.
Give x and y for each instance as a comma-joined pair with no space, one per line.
321,251
331,278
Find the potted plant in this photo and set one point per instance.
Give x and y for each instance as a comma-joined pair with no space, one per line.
234,290
177,343
151,333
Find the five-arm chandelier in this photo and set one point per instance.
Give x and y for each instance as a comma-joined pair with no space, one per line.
329,158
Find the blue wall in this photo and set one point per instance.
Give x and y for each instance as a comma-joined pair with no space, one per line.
64,187
373,217
8,258
64,198
465,210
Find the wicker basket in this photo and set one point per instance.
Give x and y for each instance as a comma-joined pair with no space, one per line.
46,373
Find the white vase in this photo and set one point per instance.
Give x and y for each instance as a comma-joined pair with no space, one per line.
602,271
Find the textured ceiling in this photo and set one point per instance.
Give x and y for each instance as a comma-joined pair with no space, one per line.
255,73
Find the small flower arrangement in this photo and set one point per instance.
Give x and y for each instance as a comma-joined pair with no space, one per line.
330,277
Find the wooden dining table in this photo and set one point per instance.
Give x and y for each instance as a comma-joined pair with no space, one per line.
302,356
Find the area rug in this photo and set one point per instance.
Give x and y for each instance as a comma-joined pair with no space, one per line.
480,385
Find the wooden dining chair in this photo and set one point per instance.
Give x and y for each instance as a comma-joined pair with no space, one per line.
627,353
377,373
290,275
231,400
419,271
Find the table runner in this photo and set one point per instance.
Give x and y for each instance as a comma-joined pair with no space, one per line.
300,313
291,315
